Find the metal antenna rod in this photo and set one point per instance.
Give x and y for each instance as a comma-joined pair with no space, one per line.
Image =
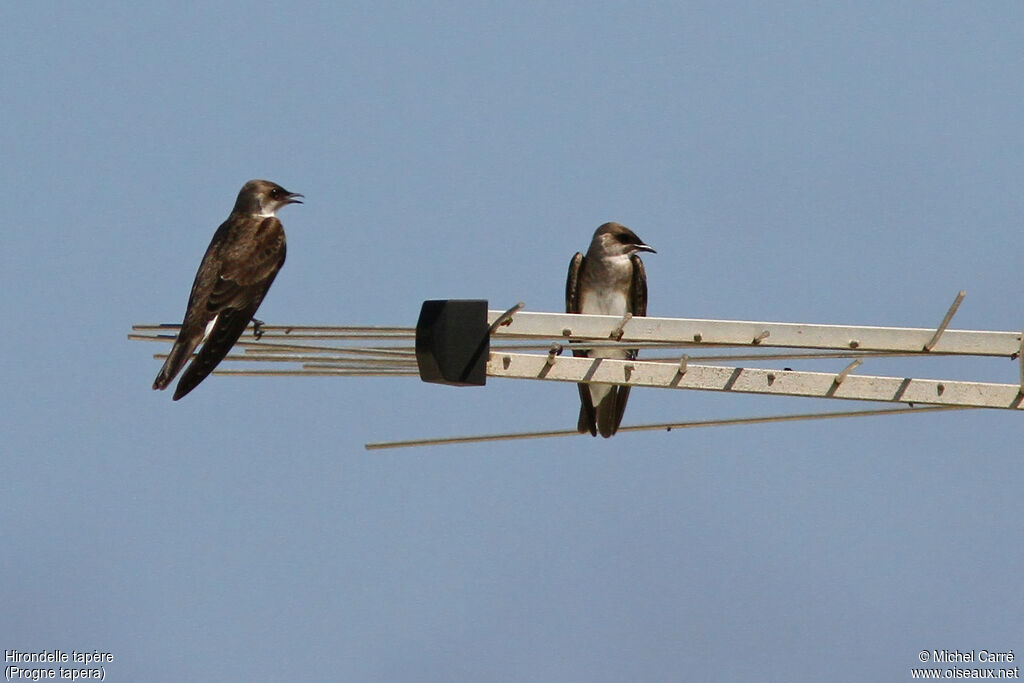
505,318
669,426
847,370
945,321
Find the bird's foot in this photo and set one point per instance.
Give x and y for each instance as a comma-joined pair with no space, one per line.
257,328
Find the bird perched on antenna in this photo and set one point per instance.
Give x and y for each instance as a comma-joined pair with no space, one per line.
609,280
239,266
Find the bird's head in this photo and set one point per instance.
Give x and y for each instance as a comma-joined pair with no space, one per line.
615,239
263,198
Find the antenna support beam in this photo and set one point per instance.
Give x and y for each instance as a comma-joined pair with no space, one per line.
637,373
697,332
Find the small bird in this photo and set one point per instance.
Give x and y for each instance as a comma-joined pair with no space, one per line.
609,280
240,264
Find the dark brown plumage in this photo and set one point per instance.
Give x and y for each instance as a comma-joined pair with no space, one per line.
238,268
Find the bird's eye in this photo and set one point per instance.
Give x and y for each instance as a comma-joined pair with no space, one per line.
275,193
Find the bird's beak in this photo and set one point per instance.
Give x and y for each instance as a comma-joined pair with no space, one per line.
644,247
292,198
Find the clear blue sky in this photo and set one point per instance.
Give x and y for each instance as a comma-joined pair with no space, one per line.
851,163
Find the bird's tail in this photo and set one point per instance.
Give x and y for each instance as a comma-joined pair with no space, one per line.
587,421
228,328
611,410
179,355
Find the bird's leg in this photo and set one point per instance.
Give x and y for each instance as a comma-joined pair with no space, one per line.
257,328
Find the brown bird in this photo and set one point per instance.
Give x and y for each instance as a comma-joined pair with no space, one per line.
609,280
239,266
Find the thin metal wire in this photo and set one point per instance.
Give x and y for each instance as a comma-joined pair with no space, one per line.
326,361
151,338
313,358
505,318
668,426
348,353
281,332
351,350
402,369
587,345
317,373
292,329
810,355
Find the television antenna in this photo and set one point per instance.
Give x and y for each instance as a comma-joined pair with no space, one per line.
462,343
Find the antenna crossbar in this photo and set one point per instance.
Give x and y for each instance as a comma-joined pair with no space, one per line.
692,331
756,381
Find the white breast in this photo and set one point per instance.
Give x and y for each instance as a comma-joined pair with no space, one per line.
614,273
606,302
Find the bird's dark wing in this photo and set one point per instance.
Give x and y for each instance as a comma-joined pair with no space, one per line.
572,290
619,395
588,417
231,322
638,292
234,298
176,358
572,284
225,292
587,421
197,313
255,254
